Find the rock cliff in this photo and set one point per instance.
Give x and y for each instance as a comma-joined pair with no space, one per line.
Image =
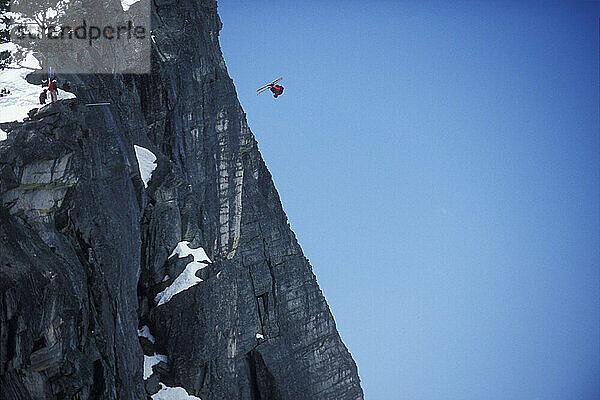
143,246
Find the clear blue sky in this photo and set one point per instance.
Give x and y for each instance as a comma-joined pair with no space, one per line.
440,165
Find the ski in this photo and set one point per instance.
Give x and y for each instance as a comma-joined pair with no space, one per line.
268,84
97,104
263,88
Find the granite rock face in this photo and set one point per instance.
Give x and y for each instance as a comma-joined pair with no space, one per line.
86,246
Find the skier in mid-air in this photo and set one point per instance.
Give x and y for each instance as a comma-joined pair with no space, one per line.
273,87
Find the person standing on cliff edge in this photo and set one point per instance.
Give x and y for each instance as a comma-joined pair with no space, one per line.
53,89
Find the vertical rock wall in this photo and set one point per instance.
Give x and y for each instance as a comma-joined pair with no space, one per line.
85,247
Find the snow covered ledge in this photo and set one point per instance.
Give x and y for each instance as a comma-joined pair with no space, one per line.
188,277
146,163
23,95
173,393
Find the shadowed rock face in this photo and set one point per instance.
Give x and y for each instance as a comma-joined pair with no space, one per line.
84,246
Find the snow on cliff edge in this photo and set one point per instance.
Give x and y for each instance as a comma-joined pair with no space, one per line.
188,277
23,95
146,163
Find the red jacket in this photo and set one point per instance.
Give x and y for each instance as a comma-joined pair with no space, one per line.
276,89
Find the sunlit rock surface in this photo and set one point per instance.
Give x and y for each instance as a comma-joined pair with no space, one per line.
87,243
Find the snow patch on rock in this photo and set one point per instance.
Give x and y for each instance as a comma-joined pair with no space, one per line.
146,163
183,249
145,332
151,361
173,393
188,277
127,3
